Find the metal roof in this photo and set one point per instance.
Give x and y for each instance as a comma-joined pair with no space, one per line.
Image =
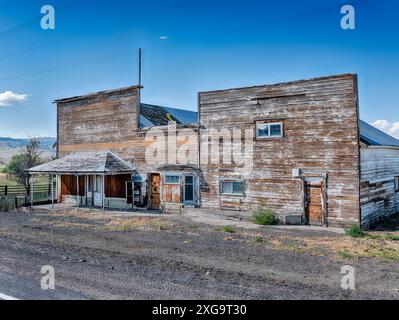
373,136
152,115
101,162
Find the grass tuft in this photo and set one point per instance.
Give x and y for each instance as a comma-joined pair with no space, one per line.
264,216
356,232
229,230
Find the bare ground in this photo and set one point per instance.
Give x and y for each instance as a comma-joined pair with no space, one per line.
98,256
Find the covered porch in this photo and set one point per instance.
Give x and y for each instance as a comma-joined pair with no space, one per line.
90,179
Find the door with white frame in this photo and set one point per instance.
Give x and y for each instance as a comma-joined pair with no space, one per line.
98,191
189,182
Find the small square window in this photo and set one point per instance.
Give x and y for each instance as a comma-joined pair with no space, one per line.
269,130
396,184
172,179
232,188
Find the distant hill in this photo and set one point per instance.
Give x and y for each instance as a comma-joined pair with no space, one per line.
10,147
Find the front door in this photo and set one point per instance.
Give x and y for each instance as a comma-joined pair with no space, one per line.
314,202
188,194
155,191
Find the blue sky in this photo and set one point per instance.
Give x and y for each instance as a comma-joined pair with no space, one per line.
209,45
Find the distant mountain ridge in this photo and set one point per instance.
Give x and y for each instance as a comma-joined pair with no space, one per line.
10,147
46,143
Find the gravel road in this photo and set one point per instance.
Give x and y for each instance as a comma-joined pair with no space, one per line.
100,257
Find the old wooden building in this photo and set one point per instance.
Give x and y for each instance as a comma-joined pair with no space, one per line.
297,147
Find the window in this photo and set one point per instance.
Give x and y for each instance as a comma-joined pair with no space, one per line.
172,179
269,130
396,184
232,188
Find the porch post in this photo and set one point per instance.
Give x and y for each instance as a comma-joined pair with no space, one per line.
32,190
103,191
52,191
77,189
56,187
86,189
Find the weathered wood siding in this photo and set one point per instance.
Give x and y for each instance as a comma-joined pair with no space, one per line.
321,137
110,121
115,186
379,166
99,118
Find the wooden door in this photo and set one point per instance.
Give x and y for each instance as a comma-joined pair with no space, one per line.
155,188
314,202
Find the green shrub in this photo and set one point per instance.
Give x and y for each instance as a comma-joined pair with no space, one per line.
392,237
259,239
356,232
264,216
229,230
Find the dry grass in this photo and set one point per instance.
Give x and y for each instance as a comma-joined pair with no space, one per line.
103,222
136,223
348,248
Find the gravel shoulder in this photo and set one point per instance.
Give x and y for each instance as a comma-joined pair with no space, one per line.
98,256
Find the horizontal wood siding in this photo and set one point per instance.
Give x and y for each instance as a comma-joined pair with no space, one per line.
102,118
320,119
379,166
115,186
133,145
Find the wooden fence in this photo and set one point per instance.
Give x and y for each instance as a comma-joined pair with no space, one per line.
13,197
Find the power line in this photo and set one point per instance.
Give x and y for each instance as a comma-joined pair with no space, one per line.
66,67
255,25
176,5
30,49
155,48
5,4
24,25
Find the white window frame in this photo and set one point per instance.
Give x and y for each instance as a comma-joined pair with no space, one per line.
172,175
232,181
269,124
396,184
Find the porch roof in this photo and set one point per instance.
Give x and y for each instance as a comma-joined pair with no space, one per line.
101,162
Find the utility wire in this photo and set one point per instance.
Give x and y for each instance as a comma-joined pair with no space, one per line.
26,24
176,5
67,66
30,49
158,47
255,25
5,4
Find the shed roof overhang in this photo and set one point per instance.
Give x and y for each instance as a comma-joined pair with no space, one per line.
86,163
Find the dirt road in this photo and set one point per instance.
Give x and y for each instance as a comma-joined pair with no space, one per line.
105,257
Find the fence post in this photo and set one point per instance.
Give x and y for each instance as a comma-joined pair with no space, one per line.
6,197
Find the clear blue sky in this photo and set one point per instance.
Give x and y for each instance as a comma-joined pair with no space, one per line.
211,45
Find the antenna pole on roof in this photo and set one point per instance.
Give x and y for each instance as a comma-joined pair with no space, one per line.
140,67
